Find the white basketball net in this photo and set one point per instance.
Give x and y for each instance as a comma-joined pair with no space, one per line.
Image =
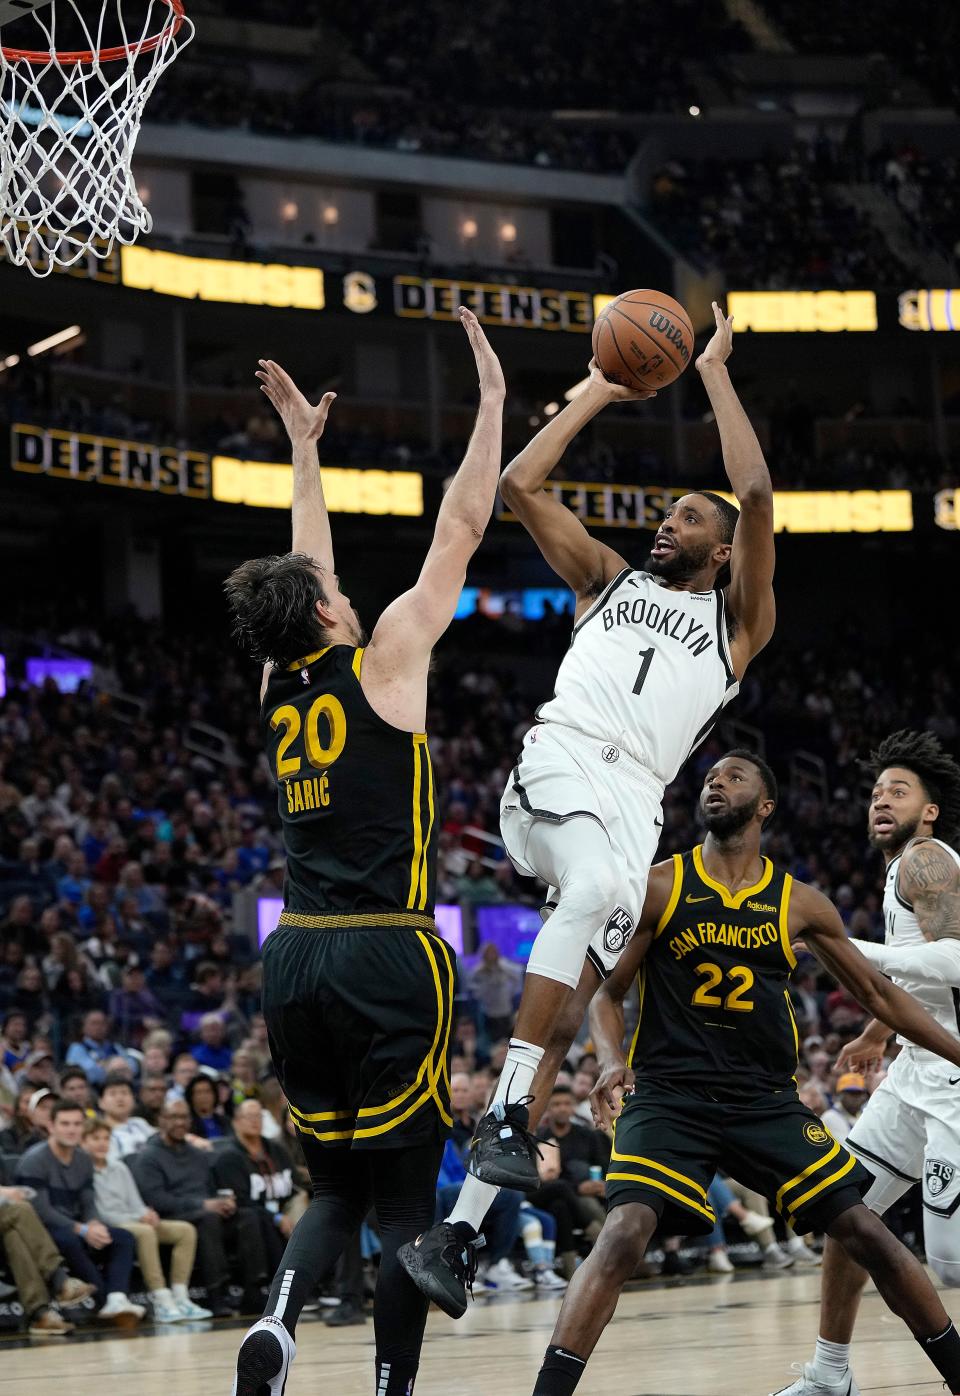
68,127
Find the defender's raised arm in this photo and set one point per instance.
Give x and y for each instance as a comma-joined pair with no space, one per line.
396,664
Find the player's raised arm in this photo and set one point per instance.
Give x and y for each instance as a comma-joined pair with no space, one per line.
305,425
752,559
825,934
582,562
409,628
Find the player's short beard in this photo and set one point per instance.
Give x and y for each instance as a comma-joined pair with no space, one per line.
724,823
894,838
682,564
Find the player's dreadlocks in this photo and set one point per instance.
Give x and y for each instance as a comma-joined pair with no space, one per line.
937,771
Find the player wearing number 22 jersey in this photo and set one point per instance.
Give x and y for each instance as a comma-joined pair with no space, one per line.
710,1071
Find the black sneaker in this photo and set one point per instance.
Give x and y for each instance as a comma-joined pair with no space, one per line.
346,1315
504,1151
442,1267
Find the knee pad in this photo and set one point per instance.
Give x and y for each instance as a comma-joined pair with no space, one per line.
947,1271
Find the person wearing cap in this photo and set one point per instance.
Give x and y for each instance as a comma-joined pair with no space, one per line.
21,1131
850,1098
37,1070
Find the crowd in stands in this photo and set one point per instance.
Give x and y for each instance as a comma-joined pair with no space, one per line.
772,223
386,78
916,42
136,1096
926,192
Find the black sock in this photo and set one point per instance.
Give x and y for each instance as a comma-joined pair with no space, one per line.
395,1378
464,1232
57,1280
943,1350
560,1372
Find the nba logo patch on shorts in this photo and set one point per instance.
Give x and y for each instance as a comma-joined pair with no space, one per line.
618,930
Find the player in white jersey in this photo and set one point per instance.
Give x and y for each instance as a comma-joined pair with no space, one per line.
655,656
910,1128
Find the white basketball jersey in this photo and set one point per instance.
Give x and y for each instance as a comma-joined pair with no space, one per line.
648,670
902,928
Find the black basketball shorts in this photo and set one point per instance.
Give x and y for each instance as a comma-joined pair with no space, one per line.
670,1141
359,1018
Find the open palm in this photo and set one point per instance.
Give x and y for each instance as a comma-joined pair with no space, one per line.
303,421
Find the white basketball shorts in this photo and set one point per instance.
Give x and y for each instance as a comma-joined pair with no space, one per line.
564,775
909,1132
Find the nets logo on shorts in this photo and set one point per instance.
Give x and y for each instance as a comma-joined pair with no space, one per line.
937,1175
610,754
618,930
814,1133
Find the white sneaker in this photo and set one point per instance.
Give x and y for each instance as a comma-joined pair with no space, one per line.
547,1278
119,1306
752,1223
188,1309
264,1359
776,1258
163,1308
503,1278
720,1263
808,1384
801,1252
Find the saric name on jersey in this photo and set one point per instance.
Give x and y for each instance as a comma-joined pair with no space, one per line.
663,620
714,933
311,793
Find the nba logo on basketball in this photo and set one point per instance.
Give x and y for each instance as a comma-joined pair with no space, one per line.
939,1175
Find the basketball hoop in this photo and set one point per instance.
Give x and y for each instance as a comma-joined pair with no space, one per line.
69,121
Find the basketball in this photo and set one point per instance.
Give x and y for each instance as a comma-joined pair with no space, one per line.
643,339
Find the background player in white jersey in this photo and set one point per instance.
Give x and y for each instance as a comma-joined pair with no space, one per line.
655,656
910,1128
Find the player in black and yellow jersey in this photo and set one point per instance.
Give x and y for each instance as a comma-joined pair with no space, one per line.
709,1078
357,985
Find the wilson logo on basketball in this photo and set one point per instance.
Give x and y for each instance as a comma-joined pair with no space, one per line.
671,332
814,1133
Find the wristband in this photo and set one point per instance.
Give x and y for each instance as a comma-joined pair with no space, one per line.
84,1229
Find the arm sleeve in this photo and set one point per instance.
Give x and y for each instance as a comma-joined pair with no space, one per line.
934,962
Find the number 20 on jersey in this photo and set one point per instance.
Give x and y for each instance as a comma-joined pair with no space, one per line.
320,749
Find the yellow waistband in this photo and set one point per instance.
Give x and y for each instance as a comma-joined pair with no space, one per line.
339,920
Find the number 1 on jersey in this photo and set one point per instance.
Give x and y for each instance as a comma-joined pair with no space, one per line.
647,657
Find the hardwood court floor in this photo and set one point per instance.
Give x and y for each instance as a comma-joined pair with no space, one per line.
723,1337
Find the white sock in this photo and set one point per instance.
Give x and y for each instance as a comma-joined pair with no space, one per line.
474,1202
830,1361
180,1293
519,1069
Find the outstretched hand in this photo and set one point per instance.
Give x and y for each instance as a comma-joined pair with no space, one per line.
720,347
492,382
302,421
